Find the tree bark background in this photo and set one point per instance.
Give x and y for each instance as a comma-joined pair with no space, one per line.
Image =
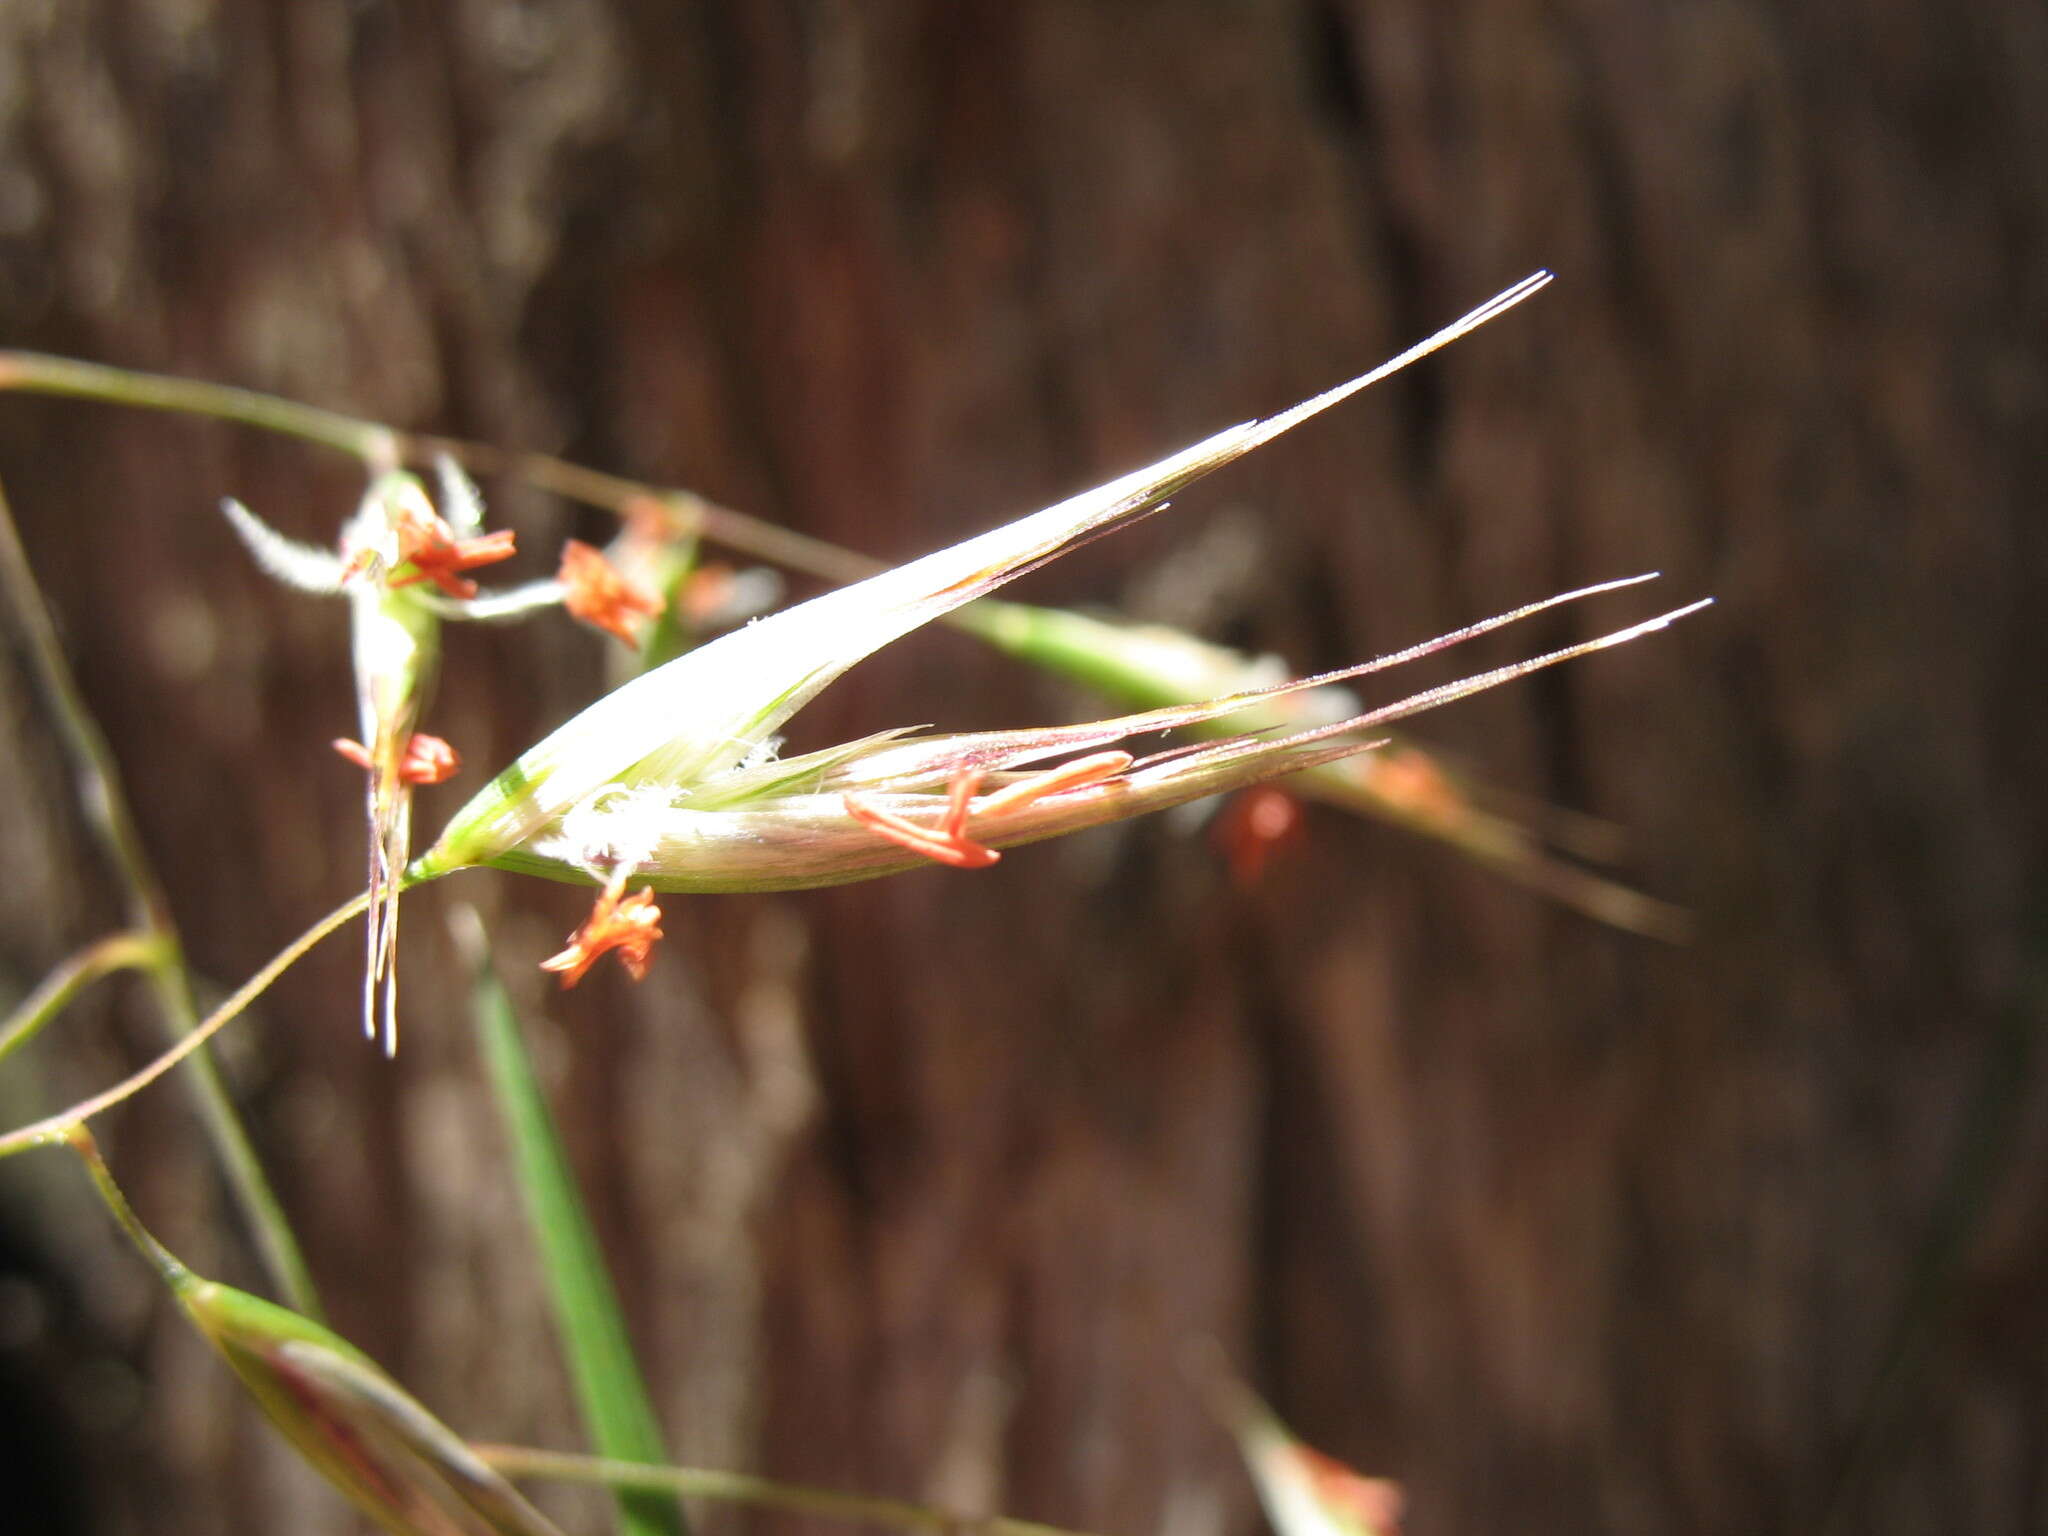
923,1187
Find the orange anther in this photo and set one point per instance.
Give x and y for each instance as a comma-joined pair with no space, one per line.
427,759
707,592
593,591
1082,771
1410,780
651,522
435,554
948,842
628,924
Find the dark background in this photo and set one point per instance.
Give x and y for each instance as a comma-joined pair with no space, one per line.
922,1187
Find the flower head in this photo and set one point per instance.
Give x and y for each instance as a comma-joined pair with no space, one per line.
895,801
690,723
429,550
673,778
390,551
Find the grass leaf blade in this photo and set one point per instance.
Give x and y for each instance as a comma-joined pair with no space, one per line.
613,1397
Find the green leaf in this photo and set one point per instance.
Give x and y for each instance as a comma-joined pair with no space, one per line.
612,1396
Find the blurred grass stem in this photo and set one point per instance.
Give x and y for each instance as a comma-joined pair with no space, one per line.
104,957
754,1492
381,447
42,374
159,1258
106,809
54,1128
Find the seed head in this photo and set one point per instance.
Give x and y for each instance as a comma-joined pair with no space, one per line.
672,781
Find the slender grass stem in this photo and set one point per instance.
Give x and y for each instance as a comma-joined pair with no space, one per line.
687,512
42,374
107,812
159,1258
55,1128
116,952
754,1492
382,446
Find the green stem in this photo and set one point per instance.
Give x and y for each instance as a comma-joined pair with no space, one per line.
283,1258
173,1274
755,1492
58,1127
107,811
116,952
382,446
39,373
689,513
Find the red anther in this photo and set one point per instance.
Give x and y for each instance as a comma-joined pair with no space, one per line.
595,592
1252,828
435,554
427,759
628,924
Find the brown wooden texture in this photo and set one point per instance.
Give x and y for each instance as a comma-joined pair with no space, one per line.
924,1187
